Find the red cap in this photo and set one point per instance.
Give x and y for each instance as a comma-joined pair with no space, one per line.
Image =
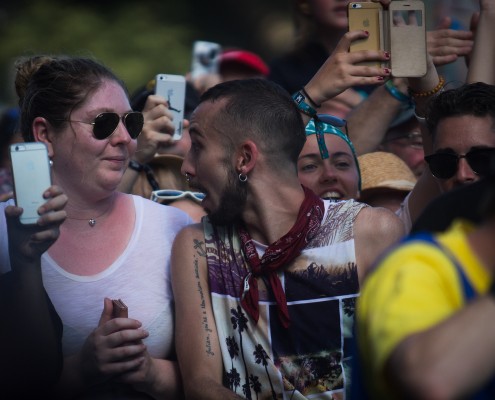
244,58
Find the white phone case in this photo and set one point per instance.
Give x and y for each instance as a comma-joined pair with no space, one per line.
31,172
408,40
173,88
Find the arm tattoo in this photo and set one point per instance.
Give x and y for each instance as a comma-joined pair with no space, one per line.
199,245
202,305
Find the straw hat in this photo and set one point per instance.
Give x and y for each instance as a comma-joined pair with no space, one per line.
384,170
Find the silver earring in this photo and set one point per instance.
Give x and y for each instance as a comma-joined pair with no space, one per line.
243,178
51,162
188,177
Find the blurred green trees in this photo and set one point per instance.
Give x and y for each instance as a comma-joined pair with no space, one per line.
137,39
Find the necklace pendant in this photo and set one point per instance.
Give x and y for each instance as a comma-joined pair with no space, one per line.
92,222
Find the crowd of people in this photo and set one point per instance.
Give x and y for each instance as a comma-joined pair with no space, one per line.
322,229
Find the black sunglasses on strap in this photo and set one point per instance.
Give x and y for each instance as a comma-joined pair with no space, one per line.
444,165
105,124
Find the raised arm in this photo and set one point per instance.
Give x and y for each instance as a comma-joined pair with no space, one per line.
447,45
426,188
482,60
340,71
369,121
197,343
157,132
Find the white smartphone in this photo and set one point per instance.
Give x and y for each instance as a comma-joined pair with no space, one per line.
205,58
407,38
173,88
31,172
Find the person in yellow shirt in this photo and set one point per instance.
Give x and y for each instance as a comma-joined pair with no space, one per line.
425,316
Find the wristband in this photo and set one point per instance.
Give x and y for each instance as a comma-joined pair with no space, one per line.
303,91
396,93
136,166
299,98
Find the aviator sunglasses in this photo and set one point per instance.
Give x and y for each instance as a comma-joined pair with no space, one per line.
444,165
105,124
171,194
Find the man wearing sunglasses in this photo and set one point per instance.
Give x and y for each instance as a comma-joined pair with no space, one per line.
462,127
425,313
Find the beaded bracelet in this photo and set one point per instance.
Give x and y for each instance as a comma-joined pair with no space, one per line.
304,107
396,93
427,93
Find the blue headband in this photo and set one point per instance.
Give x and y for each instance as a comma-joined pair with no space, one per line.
319,128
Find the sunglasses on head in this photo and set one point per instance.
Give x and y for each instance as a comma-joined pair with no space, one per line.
105,124
171,194
444,165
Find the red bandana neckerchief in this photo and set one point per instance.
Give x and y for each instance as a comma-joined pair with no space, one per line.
277,255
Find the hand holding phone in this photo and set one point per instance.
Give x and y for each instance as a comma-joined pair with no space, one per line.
31,173
173,89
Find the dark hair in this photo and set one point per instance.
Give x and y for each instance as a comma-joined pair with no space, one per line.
476,99
52,87
9,121
263,111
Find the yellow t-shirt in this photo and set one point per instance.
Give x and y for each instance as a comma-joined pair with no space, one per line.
413,288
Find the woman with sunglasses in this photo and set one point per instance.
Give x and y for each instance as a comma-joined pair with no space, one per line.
112,245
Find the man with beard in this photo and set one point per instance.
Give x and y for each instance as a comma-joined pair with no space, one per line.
265,287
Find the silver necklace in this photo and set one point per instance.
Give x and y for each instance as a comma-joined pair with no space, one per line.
92,221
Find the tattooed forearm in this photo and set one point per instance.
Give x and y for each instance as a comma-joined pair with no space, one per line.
200,246
202,305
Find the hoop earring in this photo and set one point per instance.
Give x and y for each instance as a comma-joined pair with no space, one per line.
243,178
